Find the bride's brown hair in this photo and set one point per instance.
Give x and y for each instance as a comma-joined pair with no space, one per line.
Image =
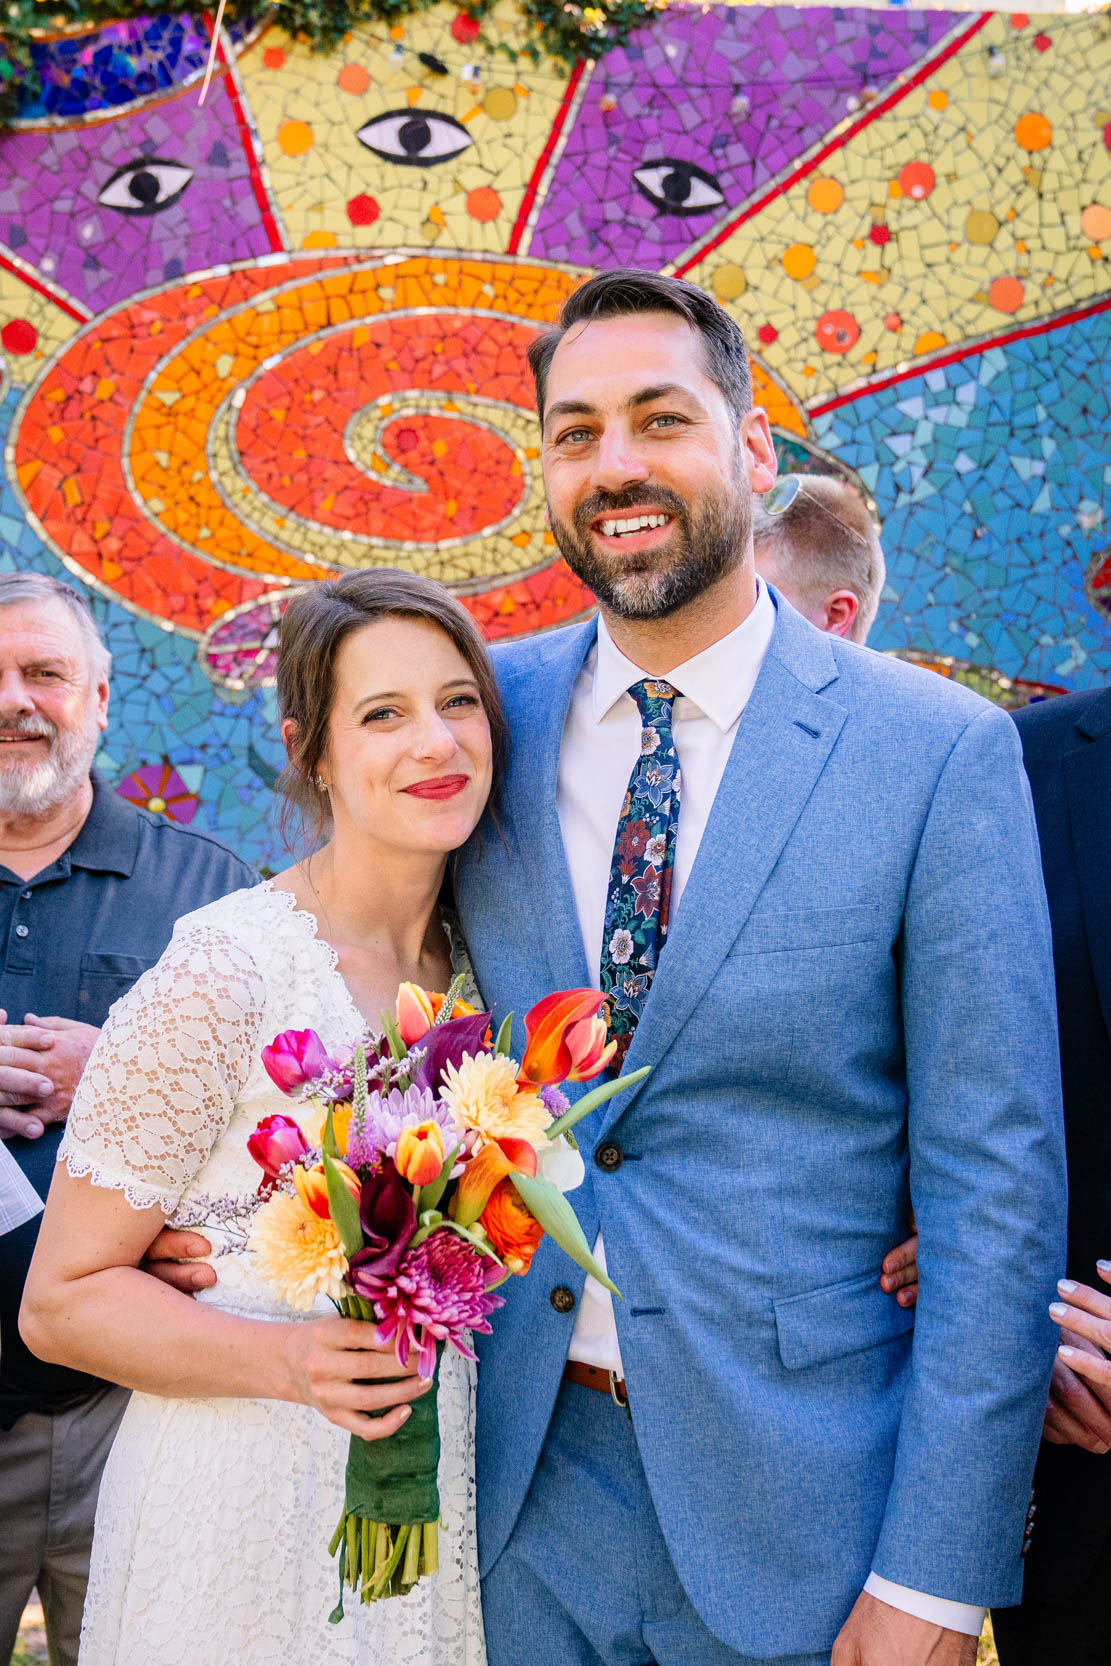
315,624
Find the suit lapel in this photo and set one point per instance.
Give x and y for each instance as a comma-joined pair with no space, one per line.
1087,774
786,733
537,732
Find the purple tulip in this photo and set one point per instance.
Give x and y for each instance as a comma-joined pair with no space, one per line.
389,1219
294,1058
445,1044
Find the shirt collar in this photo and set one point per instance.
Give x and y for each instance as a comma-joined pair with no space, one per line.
718,681
109,840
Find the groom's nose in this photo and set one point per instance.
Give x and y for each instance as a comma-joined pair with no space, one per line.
619,461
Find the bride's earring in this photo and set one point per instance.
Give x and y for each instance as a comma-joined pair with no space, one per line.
320,784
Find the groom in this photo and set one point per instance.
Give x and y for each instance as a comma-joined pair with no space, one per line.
808,877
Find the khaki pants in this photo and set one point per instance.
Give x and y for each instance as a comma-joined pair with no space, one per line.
50,1470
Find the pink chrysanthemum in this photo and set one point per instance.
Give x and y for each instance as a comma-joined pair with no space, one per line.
441,1290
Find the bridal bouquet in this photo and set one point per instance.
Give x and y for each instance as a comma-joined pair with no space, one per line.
424,1170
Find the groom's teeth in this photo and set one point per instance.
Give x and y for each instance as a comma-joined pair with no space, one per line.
637,523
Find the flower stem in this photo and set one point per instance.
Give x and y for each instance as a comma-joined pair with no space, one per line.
338,1534
431,1537
383,1575
410,1571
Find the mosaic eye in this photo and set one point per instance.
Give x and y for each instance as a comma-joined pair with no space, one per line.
145,186
678,187
415,138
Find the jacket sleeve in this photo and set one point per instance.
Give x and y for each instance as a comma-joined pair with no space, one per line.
987,1175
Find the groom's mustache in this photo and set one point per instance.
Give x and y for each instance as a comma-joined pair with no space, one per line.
634,497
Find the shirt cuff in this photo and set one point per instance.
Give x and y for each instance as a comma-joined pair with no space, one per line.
939,1611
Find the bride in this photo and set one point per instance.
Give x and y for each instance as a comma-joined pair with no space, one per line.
226,1478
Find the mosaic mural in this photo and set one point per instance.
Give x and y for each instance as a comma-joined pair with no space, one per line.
249,343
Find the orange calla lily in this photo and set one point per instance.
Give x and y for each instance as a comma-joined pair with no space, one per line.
566,1038
496,1159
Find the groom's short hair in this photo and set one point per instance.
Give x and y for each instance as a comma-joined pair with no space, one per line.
627,291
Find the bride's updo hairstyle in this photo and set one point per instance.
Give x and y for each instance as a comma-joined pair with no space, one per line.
314,626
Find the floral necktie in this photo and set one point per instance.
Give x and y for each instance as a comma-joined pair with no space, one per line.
639,896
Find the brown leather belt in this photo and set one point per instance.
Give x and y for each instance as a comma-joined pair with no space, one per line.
591,1376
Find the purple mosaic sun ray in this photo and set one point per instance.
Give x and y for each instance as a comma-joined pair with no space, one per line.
740,93
52,179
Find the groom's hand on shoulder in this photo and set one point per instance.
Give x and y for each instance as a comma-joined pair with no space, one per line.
876,1634
173,1258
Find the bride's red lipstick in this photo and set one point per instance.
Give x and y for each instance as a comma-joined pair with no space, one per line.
440,786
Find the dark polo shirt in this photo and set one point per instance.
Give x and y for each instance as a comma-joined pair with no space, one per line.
74,939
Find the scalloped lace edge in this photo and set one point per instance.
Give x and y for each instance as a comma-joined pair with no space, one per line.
85,1168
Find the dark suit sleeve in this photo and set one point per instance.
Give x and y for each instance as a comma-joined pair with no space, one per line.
987,1178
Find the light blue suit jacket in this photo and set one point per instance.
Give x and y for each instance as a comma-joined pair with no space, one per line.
854,1006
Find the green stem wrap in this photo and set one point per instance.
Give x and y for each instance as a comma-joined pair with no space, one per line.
394,1480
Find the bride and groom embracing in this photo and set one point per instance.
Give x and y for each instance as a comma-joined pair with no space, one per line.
827,936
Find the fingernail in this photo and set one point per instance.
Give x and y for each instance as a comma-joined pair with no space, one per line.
34,1129
45,1089
1066,1286
1058,1310
1066,1353
406,1414
1104,1266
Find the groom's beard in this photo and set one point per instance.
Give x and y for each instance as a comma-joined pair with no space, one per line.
700,550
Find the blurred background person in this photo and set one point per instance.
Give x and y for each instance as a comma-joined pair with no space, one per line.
1065,1614
816,541
90,888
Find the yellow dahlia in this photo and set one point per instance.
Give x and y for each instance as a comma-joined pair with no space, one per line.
483,1093
298,1253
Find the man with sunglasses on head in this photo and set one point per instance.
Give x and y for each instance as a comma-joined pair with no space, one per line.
815,539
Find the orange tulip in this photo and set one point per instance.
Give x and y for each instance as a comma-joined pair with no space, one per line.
496,1159
419,1155
566,1038
415,1013
513,1230
312,1187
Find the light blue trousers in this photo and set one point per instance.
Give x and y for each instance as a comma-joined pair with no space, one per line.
586,1578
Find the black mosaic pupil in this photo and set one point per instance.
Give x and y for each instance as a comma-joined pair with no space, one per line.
144,187
414,135
676,185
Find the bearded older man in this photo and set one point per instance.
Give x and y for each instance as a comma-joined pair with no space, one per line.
90,888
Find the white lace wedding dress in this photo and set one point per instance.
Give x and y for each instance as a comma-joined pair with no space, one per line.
215,1515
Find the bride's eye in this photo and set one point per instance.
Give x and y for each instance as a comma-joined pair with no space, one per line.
379,712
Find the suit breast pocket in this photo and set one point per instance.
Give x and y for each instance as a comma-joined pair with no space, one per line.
104,979
791,930
838,1319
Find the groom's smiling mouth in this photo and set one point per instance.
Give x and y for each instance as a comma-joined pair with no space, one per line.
636,530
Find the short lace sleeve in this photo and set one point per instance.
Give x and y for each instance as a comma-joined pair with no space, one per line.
163,1078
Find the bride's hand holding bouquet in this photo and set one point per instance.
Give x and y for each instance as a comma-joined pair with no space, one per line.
423,1171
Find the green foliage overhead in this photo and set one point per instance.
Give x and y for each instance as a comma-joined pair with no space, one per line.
565,29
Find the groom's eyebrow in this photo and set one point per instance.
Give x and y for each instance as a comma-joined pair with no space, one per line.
646,396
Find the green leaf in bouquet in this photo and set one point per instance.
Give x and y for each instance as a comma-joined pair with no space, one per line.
590,1101
343,1209
560,1222
430,1195
501,1045
450,999
330,1148
397,1047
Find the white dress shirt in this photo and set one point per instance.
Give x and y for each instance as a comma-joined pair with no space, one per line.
601,743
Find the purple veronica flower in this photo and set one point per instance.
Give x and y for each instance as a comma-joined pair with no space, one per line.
555,1102
441,1290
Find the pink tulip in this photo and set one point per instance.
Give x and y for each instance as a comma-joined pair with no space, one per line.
294,1058
415,1013
275,1142
590,1047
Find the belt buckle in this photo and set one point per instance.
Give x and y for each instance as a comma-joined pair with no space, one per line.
619,1394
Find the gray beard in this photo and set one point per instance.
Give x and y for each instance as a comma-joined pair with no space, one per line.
708,549
37,789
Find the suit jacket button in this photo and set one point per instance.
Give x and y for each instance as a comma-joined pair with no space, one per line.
562,1299
609,1157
